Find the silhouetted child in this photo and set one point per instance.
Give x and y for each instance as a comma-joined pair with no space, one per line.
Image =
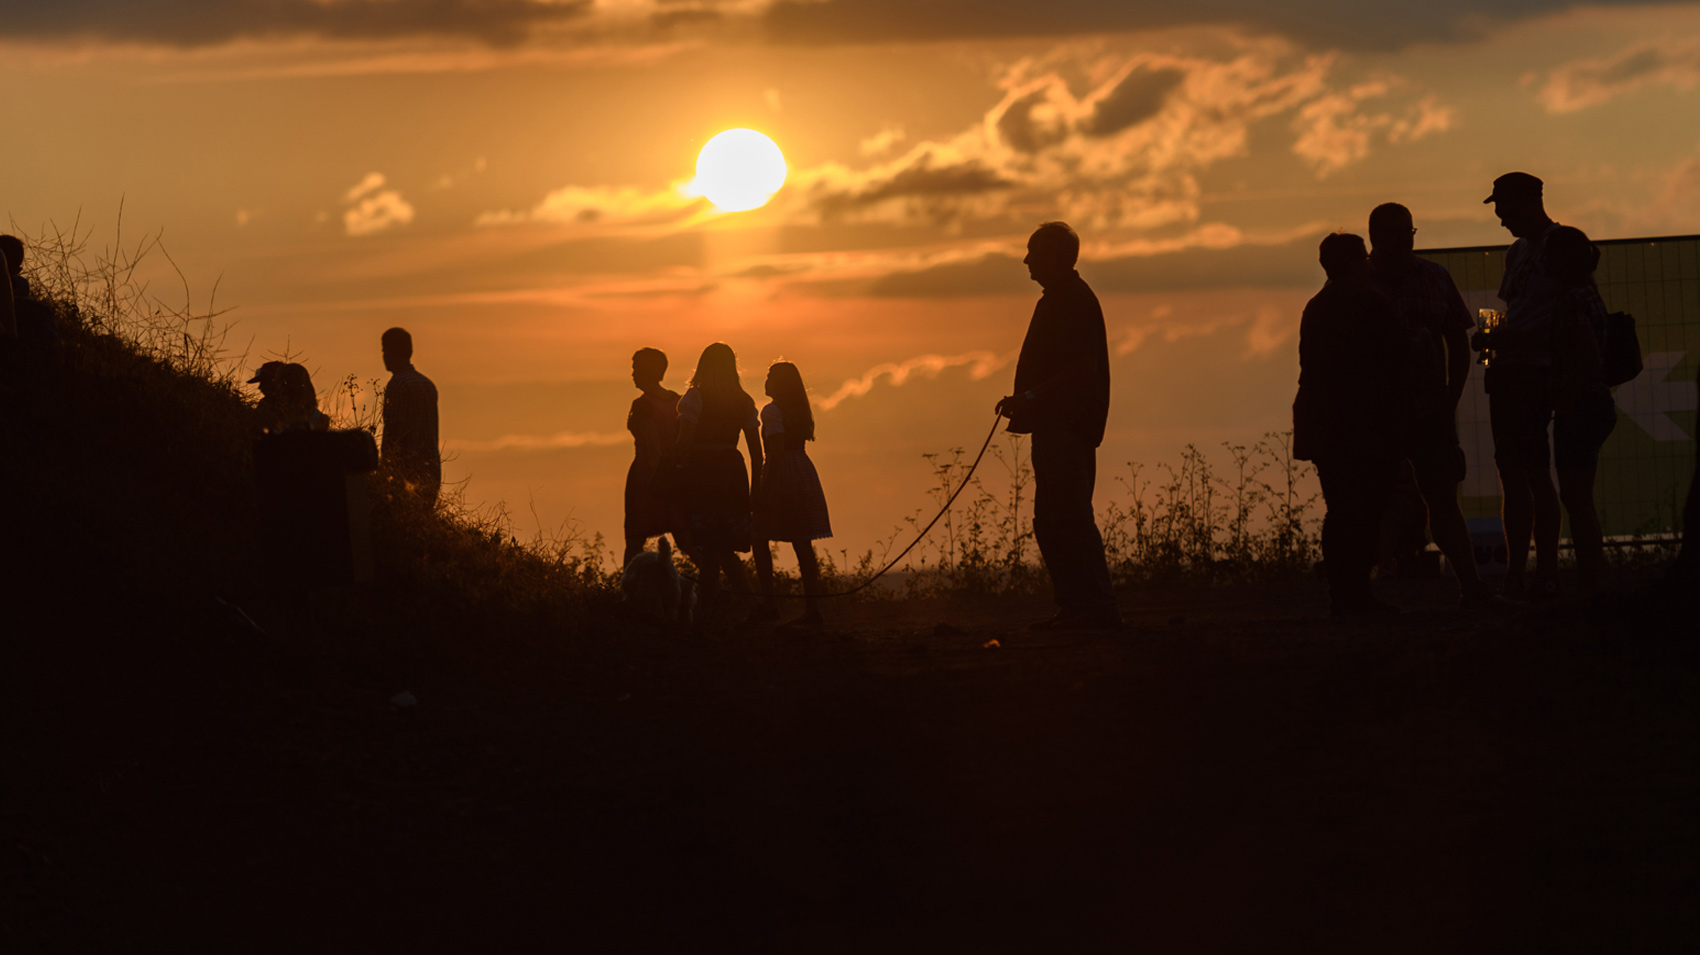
410,447
651,507
716,488
33,319
790,505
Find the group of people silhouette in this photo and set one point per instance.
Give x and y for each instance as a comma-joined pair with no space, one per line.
688,478
1384,354
1385,349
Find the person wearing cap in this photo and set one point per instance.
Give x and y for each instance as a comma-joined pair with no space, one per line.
288,401
409,446
1519,389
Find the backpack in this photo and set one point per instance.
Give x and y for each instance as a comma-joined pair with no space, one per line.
1622,359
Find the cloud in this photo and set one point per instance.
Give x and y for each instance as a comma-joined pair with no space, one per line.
372,208
194,23
1119,141
1314,23
541,442
606,205
1590,82
980,365
1334,131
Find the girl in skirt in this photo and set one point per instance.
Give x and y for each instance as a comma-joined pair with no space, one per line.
715,486
789,505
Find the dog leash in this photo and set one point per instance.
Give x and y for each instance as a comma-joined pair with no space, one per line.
905,552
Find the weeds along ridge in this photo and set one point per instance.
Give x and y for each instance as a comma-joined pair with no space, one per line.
133,446
143,439
1188,523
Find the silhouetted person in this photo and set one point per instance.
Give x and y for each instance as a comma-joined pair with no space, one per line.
1519,387
1348,417
716,487
1436,326
790,505
654,423
410,448
35,325
1062,399
288,401
1584,413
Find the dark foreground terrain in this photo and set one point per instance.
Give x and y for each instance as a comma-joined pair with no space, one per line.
1234,774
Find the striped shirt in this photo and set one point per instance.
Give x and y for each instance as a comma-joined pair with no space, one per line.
410,428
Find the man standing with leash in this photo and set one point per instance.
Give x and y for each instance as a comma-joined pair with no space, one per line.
1062,399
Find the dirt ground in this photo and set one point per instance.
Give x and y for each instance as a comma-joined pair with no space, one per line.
1233,773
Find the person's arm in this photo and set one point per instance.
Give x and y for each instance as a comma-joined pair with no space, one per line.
1457,362
648,440
752,438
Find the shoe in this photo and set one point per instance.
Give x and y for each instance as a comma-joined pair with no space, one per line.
1544,591
1054,622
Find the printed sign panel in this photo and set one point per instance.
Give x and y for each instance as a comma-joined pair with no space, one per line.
1647,462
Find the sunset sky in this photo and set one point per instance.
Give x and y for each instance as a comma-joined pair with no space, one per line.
508,179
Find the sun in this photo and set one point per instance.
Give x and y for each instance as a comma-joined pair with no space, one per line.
739,169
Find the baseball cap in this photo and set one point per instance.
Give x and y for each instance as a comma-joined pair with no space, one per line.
1515,185
267,372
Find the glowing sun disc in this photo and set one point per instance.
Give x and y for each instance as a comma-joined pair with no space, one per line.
740,169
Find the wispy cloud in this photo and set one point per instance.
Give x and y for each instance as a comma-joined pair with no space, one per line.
1672,63
539,442
372,208
607,205
980,364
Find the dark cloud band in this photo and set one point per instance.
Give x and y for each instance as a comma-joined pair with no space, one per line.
191,23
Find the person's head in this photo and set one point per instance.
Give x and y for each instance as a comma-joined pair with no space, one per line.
1344,258
649,366
717,372
269,377
398,349
1052,251
1517,201
1391,231
13,247
785,386
296,385
1570,257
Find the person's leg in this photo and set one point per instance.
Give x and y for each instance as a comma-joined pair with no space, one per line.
1450,532
1576,493
1337,538
1048,519
1547,522
1517,514
1093,592
808,568
766,606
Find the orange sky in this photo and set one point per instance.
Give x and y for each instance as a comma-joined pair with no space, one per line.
500,178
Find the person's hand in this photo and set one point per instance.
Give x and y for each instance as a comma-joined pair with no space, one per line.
1012,405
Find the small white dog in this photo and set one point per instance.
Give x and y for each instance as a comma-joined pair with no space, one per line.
652,585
